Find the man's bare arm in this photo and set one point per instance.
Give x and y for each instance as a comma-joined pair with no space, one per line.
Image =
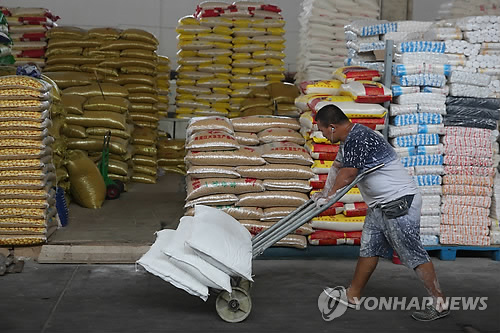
344,178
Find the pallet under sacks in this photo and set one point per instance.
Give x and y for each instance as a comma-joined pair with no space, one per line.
243,167
470,167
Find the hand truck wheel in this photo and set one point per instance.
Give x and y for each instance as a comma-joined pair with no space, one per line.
112,192
234,307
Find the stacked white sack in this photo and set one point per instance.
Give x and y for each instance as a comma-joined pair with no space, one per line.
322,37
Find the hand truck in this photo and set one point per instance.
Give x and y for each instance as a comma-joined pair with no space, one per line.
236,306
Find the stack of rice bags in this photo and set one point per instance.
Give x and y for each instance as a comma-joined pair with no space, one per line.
417,123
124,63
322,36
92,111
171,155
244,168
28,27
363,37
224,51
461,8
276,98
341,224
163,85
6,57
26,170
57,130
470,165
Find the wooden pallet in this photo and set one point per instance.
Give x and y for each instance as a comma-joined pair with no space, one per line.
449,252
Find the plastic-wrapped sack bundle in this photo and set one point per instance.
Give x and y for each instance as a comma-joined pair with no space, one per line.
475,79
417,118
421,46
419,150
421,68
416,140
463,90
422,98
371,28
422,160
404,109
395,131
432,80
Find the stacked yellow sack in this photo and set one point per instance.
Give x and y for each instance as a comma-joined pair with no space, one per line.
171,155
57,130
204,60
27,28
92,111
163,85
26,170
230,53
277,98
125,62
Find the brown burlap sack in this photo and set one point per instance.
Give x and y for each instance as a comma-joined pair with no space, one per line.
287,185
239,213
144,170
281,135
258,111
255,102
105,119
286,152
104,33
212,172
242,156
143,178
211,141
255,124
140,36
134,88
100,103
74,131
276,171
73,104
71,79
274,214
295,241
247,139
213,200
283,92
256,227
116,146
87,185
106,89
209,123
269,199
202,187
145,160
102,131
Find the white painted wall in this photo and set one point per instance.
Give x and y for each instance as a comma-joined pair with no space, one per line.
156,16
427,10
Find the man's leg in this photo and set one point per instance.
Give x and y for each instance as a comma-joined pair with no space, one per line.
364,270
427,275
373,245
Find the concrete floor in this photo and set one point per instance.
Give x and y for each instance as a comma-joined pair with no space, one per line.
132,219
117,298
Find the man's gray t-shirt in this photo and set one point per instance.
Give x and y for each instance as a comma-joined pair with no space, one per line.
364,149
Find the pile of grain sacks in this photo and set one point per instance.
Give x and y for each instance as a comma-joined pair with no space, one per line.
26,172
28,28
343,222
254,168
322,37
92,66
461,8
417,124
225,50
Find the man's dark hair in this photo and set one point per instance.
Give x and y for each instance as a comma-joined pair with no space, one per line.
331,114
